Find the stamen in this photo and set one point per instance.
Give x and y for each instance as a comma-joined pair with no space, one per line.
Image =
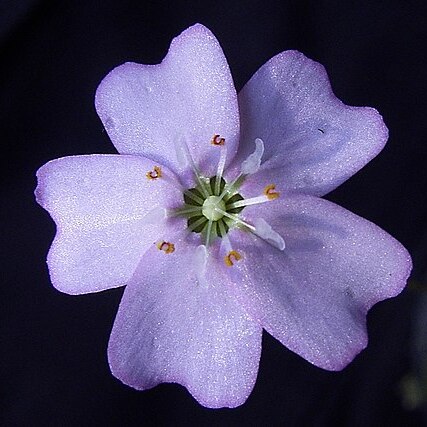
225,240
220,169
217,140
231,258
194,197
253,161
155,173
195,224
208,232
264,230
197,210
270,192
231,187
226,245
248,202
235,218
166,247
204,187
183,152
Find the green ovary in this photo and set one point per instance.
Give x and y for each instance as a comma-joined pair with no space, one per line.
206,203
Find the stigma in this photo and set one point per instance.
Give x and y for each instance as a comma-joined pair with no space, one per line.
213,207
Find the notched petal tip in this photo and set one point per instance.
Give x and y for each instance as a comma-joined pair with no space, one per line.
45,174
398,275
112,78
314,139
353,350
120,373
207,343
338,264
297,63
375,127
107,215
195,30
144,108
39,190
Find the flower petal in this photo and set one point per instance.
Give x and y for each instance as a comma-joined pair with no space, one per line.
189,97
107,214
172,328
311,138
313,296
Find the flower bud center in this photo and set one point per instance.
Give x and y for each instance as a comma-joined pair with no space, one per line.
212,208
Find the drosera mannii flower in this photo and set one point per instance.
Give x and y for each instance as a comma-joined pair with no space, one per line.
216,239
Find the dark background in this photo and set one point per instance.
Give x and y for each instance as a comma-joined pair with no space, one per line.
53,54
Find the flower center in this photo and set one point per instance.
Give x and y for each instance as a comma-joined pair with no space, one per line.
213,207
209,207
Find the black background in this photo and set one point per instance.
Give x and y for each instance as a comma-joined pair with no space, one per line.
53,365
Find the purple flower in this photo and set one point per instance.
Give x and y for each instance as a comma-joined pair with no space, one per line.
211,217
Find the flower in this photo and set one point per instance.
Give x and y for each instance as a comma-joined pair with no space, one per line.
211,216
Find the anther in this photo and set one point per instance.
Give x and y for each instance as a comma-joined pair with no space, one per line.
271,193
217,140
166,247
155,173
231,258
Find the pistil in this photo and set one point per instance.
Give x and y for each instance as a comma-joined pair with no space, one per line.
214,206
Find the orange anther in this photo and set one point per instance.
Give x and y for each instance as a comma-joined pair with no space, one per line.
231,258
166,247
218,140
270,192
155,173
